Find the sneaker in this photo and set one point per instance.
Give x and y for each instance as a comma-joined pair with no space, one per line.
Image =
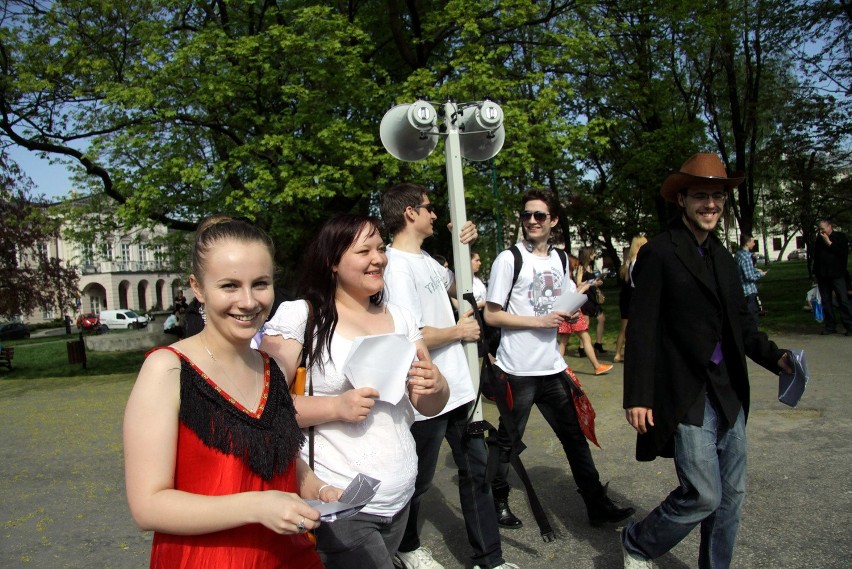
633,561
602,369
420,558
506,565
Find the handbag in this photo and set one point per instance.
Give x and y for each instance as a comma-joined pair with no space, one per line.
300,379
599,295
582,405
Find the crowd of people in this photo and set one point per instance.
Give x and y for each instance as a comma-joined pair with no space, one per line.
230,466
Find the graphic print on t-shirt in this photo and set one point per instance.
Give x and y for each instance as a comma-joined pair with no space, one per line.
545,288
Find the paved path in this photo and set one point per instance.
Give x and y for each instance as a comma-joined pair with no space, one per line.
62,498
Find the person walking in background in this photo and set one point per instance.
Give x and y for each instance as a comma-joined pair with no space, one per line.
211,444
586,273
413,279
579,325
749,274
342,284
686,389
528,358
831,253
625,275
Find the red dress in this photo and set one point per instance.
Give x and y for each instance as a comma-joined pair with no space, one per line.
223,448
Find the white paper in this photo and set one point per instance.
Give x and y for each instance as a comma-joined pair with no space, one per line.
357,494
381,362
570,302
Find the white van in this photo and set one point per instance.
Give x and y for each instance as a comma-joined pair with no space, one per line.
121,319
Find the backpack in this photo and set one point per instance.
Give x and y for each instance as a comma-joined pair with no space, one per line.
491,334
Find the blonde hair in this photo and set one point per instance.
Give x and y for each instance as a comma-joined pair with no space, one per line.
635,244
218,227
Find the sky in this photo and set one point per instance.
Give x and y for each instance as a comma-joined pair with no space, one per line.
52,180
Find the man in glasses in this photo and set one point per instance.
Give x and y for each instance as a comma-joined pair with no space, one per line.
414,280
686,389
528,357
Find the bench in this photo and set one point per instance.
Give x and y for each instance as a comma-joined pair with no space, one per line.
6,355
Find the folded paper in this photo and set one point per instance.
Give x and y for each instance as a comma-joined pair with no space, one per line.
381,362
791,386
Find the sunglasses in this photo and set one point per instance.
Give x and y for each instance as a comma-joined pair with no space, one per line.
703,197
427,206
540,216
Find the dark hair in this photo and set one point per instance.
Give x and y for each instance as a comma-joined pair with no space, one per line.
394,203
549,198
216,228
745,239
585,255
318,284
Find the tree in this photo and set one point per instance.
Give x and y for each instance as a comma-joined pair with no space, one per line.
29,279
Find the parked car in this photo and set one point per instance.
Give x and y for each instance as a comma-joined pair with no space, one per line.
122,319
797,254
88,322
14,331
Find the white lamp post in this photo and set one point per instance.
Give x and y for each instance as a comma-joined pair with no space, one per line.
473,131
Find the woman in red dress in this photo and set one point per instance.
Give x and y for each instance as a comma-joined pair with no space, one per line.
210,435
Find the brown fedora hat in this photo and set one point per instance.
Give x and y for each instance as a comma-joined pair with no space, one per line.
702,169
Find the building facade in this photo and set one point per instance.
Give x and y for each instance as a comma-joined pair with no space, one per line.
123,270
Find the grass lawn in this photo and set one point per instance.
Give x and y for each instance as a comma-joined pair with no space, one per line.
782,292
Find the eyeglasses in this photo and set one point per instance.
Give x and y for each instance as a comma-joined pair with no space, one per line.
427,206
540,216
703,196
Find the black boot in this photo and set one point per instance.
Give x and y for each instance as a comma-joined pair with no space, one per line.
580,352
599,348
603,510
505,517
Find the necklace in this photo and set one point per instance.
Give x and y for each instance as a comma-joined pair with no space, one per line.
231,381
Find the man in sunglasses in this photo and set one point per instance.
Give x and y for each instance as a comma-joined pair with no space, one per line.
414,280
528,357
686,389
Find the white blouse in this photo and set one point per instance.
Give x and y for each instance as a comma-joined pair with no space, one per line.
380,446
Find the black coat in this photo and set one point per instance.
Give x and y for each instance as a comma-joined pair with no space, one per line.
675,321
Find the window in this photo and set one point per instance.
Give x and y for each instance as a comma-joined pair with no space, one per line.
800,242
88,254
143,253
125,252
776,244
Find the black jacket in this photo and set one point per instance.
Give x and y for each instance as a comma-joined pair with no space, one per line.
677,315
830,261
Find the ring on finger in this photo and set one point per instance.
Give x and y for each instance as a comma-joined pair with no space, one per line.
301,525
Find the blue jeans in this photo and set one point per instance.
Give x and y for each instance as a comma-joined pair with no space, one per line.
550,394
364,540
753,306
710,462
471,458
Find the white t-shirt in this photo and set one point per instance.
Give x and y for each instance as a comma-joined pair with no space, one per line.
478,289
380,446
419,283
528,351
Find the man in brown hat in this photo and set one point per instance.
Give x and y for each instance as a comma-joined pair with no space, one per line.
686,387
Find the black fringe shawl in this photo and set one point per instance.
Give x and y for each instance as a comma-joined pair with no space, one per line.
266,445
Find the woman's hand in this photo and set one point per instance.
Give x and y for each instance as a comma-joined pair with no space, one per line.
330,493
355,405
424,377
285,513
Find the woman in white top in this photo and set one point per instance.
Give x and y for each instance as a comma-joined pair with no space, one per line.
342,279
478,288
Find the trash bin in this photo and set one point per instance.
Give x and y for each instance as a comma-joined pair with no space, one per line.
76,352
